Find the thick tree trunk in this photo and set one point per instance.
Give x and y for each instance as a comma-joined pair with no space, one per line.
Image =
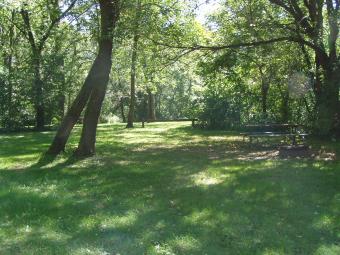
327,122
86,146
312,25
94,88
87,142
72,116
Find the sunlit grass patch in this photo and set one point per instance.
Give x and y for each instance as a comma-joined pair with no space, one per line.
165,189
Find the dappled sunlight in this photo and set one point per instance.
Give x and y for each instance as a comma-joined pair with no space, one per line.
173,191
330,249
204,179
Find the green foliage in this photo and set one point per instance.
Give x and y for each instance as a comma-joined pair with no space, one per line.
224,88
250,84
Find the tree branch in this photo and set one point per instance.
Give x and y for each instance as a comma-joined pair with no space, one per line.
229,46
28,29
52,25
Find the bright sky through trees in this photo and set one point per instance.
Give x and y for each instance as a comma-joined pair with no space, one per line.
206,7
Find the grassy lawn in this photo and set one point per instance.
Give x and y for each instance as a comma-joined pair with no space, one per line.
165,189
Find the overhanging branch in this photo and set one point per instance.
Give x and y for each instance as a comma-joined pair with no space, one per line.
229,46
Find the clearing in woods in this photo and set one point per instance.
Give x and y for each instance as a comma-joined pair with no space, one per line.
167,189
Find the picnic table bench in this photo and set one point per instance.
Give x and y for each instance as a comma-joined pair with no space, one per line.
289,131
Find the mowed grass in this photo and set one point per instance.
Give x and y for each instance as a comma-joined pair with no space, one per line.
164,189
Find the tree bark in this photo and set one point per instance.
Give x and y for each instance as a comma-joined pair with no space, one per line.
327,107
93,89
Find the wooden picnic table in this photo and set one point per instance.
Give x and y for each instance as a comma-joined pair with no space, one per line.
293,127
274,130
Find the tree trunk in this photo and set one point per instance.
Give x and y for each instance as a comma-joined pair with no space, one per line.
327,122
72,116
312,25
264,92
9,63
55,12
285,106
38,92
133,83
61,88
122,109
94,88
86,146
151,106
133,69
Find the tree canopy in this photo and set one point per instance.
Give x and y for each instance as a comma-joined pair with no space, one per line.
250,61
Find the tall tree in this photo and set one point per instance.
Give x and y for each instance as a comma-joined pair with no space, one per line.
93,90
37,45
313,20
134,56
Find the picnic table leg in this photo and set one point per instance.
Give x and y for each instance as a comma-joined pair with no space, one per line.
294,140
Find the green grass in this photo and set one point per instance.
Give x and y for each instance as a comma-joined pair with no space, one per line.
165,189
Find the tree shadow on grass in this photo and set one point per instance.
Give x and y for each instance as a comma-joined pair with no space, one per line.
284,208
184,199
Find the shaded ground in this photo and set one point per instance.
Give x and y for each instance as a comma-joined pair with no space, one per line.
168,189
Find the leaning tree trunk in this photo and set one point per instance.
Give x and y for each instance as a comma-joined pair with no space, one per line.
95,83
86,146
